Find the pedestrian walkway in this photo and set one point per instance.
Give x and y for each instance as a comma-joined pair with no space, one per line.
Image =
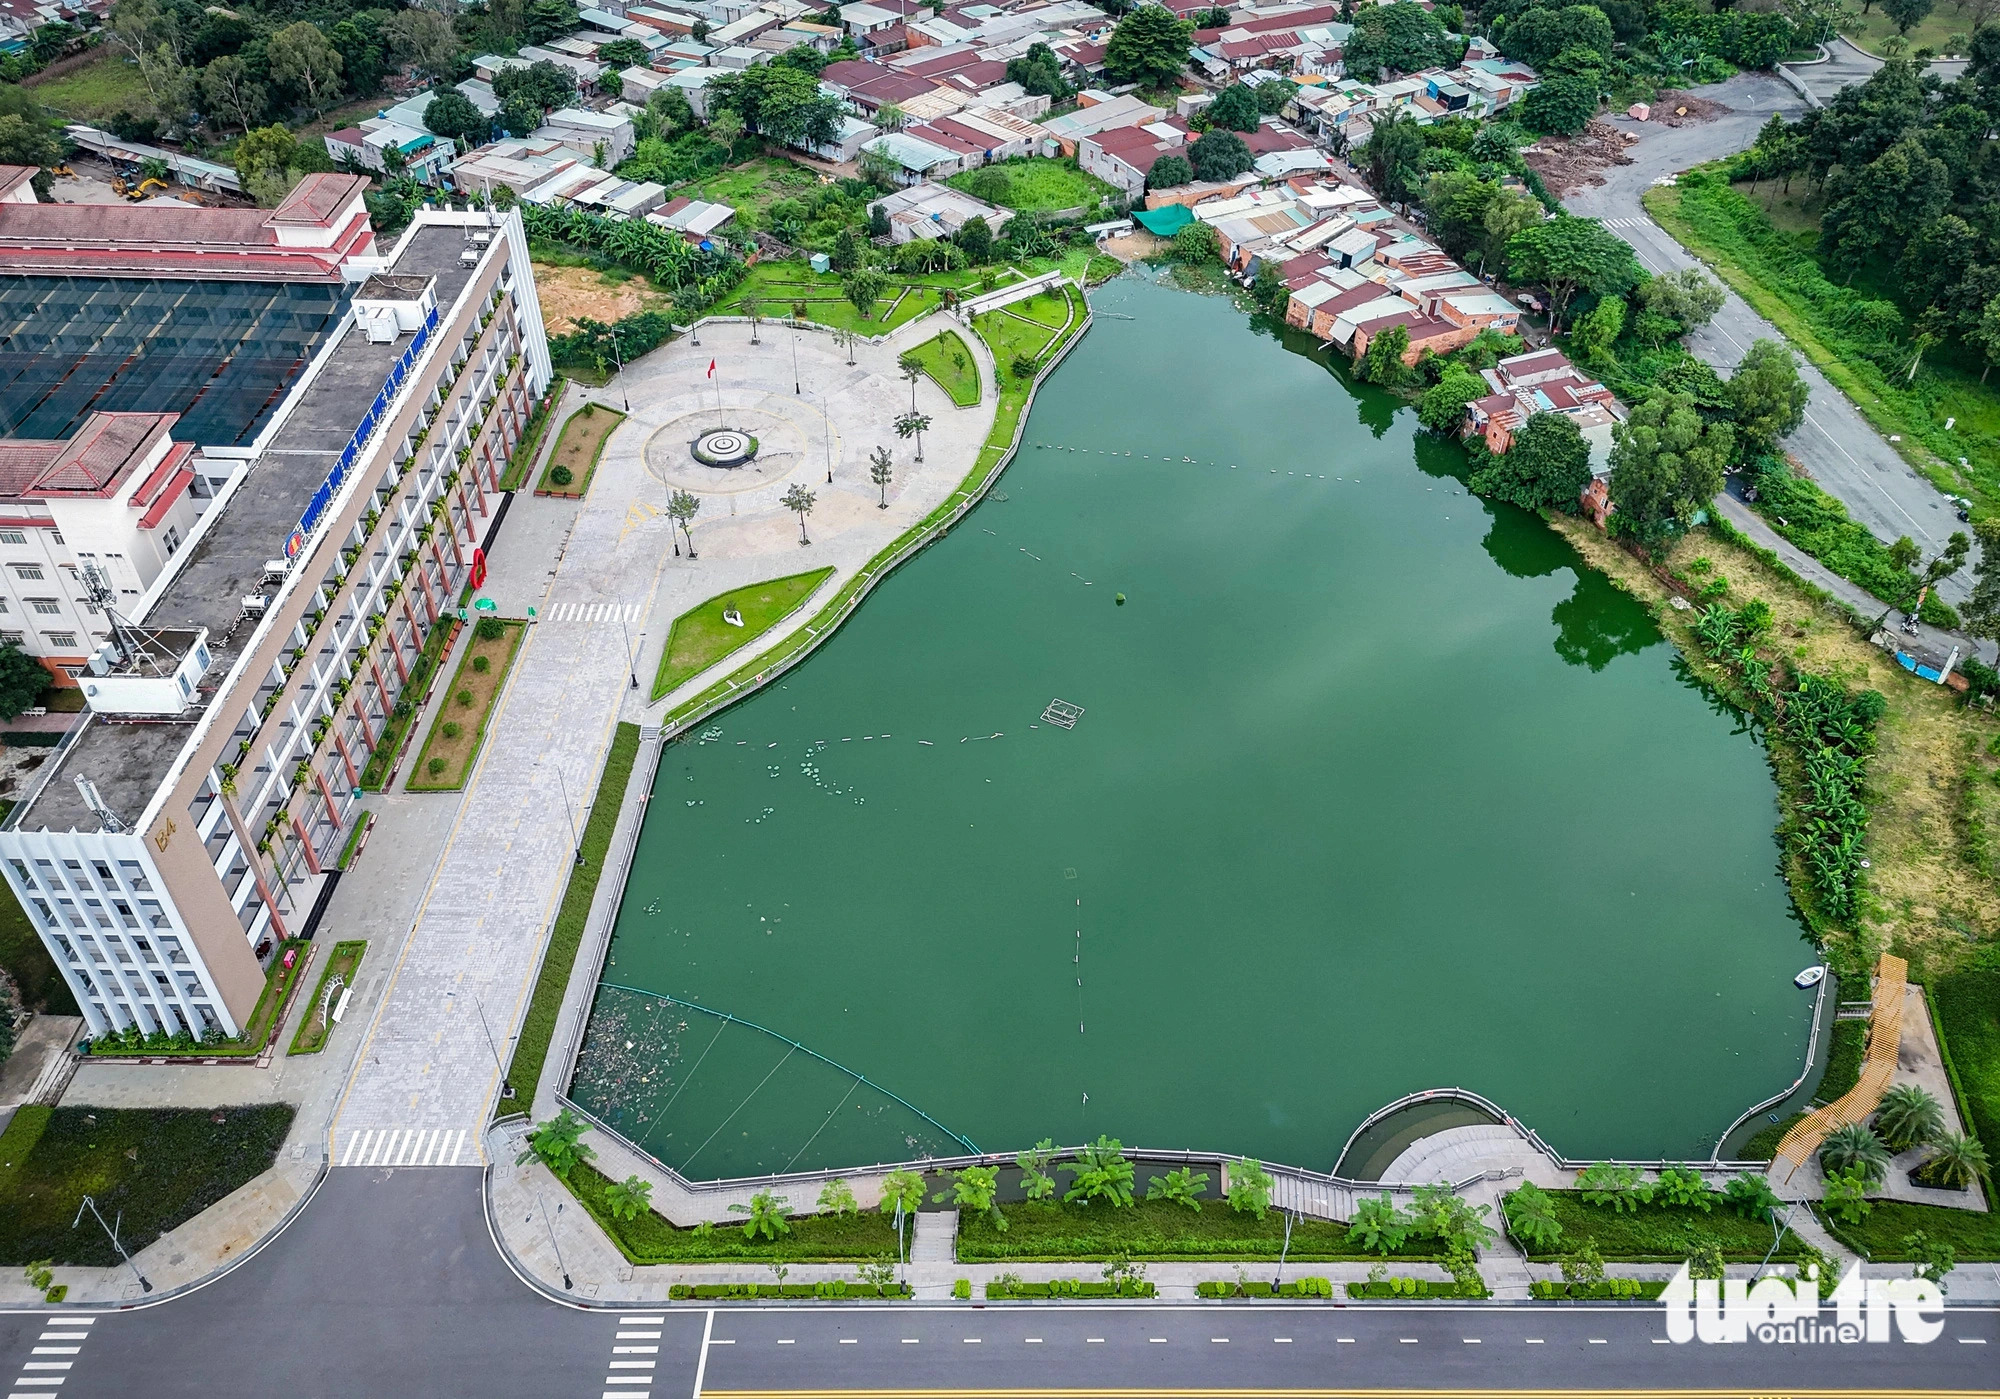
936,1238
414,1146
630,612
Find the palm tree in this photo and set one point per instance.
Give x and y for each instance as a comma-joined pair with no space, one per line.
628,1198
753,309
880,473
767,1216
911,370
913,425
1956,1158
1531,1217
1908,1117
557,1144
800,501
682,507
1854,1148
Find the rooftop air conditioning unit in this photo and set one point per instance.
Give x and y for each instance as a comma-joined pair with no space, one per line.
255,603
481,237
469,258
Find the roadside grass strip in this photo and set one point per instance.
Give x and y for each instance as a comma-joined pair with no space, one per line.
316,1027
701,637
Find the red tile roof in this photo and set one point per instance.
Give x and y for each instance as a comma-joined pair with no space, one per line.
104,451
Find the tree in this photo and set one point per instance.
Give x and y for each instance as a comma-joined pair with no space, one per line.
975,236
1931,1259
1039,72
267,150
1036,1182
911,369
1275,95
1442,408
1395,156
557,1144
1382,361
1397,38
1219,155
1181,1187
1441,1213
424,39
628,1198
227,91
301,57
1234,109
1751,1197
913,425
1908,1116
1560,106
904,1190
669,108
1455,205
1536,36
1583,1266
1853,1147
1667,463
1378,1226
549,19
1170,171
1620,1187
973,1189
1956,1159
1682,300
452,115
1510,212
1547,464
1196,242
1102,1173
23,681
766,1217
890,117
1767,396
799,501
628,53
863,286
547,85
780,102
1981,611
1149,47
1906,14
520,115
1594,333
1683,1188
1875,210
682,507
23,142
1215,17
1531,1217
881,471
1249,1188
1567,255
1845,1195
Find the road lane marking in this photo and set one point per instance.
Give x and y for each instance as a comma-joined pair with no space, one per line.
970,1340
1469,1340
701,1364
720,1342
640,1320
1408,1340
1345,1340
1281,1340
637,1336
909,1340
56,1350
1034,1340
635,1350
1093,1340
849,1341
1596,1342
1971,1341
1218,1340
1534,1340
1156,1340
631,1364
1661,1341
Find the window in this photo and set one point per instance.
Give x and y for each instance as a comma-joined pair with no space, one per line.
155,916
45,606
20,868
13,638
56,535
13,536
27,570
103,872
61,640
3,604
48,915
173,538
135,875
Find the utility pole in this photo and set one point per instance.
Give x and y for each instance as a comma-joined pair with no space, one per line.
91,1205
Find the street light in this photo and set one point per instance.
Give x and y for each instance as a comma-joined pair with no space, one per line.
631,662
575,839
506,1088
796,390
91,1205
1279,1280
567,1284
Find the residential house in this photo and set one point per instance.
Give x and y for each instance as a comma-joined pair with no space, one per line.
930,211
1544,381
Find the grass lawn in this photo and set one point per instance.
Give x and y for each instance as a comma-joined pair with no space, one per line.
375,773
160,1166
700,637
460,726
96,90
812,1239
1933,31
753,186
314,1031
1789,212
577,450
1027,330
25,959
1844,1053
1968,1020
532,1048
948,360
1975,1237
1659,1233
258,1031
781,288
1033,184
1156,1229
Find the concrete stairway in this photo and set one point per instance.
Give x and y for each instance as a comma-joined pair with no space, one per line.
1315,1199
936,1237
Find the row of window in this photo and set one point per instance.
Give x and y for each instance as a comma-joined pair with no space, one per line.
15,536
131,875
55,640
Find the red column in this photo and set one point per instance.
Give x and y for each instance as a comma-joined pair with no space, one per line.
256,866
312,855
346,759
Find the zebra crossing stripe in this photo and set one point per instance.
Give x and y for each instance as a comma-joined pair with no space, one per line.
594,612
404,1146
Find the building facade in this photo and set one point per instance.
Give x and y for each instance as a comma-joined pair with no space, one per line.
180,834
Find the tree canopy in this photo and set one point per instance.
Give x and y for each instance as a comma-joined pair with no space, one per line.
1219,155
1400,38
1149,46
1039,72
1667,463
1548,464
1567,255
1169,171
1234,109
783,104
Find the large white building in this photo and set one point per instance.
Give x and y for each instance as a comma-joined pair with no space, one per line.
183,830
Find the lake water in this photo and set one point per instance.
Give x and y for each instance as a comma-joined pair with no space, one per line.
1375,789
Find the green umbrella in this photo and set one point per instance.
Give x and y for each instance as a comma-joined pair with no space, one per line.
485,604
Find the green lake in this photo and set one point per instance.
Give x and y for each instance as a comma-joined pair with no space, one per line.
1375,789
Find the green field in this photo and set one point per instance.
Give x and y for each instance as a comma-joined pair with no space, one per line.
1027,329
781,287
1973,1236
700,637
1032,184
949,362
1659,1233
1157,1229
160,1167
97,89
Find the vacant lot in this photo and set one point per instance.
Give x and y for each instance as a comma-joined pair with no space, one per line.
571,294
94,91
1033,185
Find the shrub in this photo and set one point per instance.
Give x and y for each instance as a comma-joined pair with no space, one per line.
436,767
450,729
962,1289
490,629
561,475
464,697
482,664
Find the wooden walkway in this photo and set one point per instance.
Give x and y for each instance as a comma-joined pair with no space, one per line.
1885,1041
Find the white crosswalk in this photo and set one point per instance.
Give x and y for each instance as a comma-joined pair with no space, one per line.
1626,223
55,1351
407,1146
593,612
629,1372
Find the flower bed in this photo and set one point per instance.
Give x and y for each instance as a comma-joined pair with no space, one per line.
459,729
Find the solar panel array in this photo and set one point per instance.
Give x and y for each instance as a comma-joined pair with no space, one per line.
221,354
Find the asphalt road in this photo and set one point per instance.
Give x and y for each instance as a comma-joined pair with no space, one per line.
388,1285
1836,444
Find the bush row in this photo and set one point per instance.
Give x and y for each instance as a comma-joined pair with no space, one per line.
1303,1287
1409,1287
1004,1288
1605,1289
825,1291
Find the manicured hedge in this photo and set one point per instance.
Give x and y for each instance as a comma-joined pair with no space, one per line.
1406,1289
1303,1287
1158,1230
838,1290
1060,1288
1605,1289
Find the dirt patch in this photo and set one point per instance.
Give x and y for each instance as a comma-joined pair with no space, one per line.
578,449
1135,246
570,294
1570,163
1933,797
1685,109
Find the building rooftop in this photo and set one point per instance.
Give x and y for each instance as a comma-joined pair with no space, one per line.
224,561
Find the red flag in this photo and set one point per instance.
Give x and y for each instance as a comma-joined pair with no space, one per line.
711,369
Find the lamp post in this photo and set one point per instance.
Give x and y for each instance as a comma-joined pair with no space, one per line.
506,1088
575,838
91,1205
631,661
796,390
567,1284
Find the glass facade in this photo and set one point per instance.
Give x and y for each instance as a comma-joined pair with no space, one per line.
221,354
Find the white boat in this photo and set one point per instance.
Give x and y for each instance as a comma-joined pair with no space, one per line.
1811,976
